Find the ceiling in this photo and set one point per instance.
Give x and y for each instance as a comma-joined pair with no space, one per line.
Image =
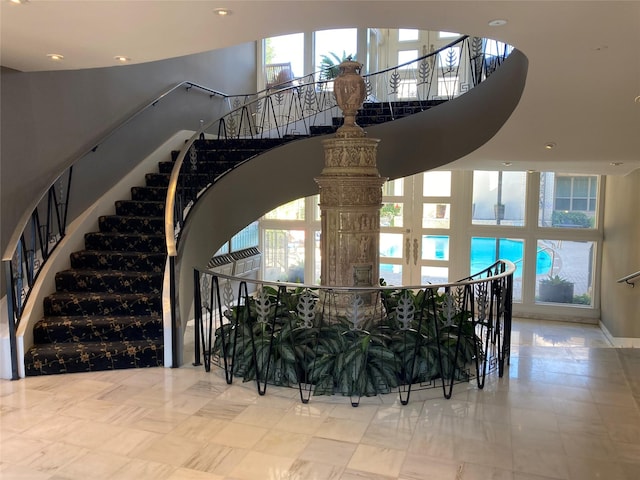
583,85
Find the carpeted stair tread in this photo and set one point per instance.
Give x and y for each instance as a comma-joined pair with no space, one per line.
125,242
102,328
214,166
99,303
149,193
131,224
76,280
166,167
157,179
127,261
54,358
148,208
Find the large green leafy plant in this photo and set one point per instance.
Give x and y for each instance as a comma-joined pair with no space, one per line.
330,64
281,338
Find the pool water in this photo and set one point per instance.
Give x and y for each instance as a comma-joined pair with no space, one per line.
483,254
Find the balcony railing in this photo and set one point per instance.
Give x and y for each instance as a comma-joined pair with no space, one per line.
307,106
355,341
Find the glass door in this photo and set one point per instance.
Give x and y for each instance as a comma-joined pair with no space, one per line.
415,229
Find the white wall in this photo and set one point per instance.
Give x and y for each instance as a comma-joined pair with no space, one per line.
620,303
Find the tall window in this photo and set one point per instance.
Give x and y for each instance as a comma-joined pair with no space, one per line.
499,198
439,222
568,201
338,43
283,58
290,242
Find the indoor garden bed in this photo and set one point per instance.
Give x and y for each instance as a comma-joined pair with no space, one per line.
355,341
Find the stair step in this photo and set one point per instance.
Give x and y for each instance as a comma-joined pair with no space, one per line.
131,224
166,167
127,261
101,303
110,281
255,144
157,179
140,208
322,129
125,242
55,358
149,193
111,328
205,171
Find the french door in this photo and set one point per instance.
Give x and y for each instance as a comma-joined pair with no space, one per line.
415,224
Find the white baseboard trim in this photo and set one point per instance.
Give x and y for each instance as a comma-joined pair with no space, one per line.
620,342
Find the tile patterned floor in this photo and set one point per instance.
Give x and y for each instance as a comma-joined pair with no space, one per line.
567,409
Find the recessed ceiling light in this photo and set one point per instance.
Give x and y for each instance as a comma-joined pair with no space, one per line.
56,57
549,145
498,22
18,2
507,164
122,58
637,99
616,164
222,12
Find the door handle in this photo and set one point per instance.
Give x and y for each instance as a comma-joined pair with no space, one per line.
407,249
415,251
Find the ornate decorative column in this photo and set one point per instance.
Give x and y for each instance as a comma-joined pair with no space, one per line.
350,193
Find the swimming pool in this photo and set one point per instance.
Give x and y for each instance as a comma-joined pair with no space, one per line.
483,254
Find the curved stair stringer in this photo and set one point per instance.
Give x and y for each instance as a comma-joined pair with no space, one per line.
410,145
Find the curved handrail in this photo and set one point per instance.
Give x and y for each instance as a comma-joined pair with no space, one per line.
22,223
43,225
309,97
497,270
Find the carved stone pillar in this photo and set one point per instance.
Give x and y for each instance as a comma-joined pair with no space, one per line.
350,194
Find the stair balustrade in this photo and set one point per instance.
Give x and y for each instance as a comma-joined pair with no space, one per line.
44,225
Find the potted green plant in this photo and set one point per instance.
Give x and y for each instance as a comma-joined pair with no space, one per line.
555,289
329,64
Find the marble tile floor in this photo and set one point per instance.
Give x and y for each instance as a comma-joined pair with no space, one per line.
567,408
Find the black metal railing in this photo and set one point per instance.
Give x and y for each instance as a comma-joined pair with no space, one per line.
355,341
44,225
307,105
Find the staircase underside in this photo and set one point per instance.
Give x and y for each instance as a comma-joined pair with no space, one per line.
410,145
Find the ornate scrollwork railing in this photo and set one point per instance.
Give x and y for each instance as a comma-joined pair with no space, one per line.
306,106
355,341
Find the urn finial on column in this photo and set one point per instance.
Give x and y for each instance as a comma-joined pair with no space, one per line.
350,92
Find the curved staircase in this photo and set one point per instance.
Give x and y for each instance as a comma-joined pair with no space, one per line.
106,312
